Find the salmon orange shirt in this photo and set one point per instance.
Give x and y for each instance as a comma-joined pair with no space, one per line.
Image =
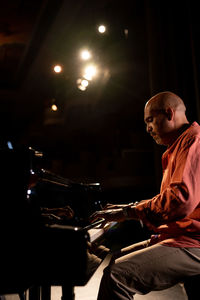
174,214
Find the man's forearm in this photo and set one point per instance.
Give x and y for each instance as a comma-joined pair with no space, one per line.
129,211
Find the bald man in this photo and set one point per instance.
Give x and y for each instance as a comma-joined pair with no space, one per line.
172,254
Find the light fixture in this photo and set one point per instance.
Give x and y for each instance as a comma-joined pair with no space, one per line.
102,28
57,68
82,88
85,54
89,72
82,84
54,107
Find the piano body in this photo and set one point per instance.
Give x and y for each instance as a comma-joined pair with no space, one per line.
36,253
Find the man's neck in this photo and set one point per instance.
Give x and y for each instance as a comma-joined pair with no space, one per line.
178,132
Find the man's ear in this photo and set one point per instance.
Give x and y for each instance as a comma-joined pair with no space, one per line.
169,113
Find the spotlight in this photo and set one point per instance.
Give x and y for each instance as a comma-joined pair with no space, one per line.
102,28
85,55
57,69
90,72
82,88
82,84
54,107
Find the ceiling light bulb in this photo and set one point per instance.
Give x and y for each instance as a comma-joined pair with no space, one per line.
85,54
57,68
101,28
54,107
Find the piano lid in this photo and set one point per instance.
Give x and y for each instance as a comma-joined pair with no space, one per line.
36,187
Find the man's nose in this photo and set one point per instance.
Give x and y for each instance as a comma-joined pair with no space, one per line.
149,128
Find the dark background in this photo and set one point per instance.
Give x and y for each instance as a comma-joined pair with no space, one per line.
97,135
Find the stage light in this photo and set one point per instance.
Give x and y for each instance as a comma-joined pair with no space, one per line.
57,69
85,55
81,87
126,33
101,28
82,84
54,107
90,72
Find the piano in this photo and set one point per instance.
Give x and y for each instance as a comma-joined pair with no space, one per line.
44,253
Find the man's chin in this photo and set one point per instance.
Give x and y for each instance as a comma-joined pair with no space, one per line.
158,140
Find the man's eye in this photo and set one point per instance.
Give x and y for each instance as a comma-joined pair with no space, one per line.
150,119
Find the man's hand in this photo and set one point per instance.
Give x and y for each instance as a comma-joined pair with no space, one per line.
114,206
109,215
115,212
60,212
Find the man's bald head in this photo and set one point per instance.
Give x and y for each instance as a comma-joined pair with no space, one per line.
164,100
164,115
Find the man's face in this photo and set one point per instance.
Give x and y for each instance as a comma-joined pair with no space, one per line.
157,125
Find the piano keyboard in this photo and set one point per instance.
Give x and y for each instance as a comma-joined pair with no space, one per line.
97,232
